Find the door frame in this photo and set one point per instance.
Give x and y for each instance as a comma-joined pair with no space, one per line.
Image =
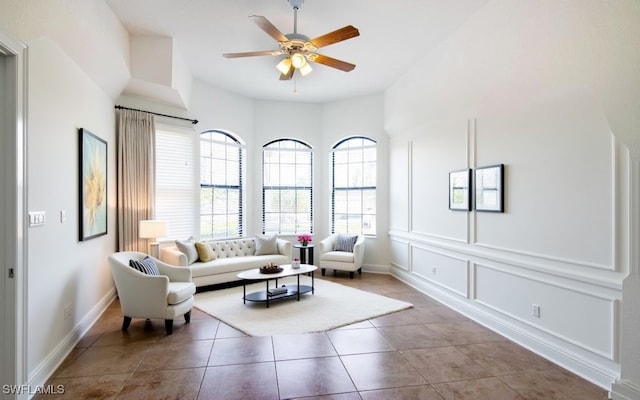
13,254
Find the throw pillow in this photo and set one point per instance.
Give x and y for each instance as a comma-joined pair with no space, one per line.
146,266
266,244
345,243
205,252
188,247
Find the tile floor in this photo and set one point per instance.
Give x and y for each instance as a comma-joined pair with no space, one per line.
427,352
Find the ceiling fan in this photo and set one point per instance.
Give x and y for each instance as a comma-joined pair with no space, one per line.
299,48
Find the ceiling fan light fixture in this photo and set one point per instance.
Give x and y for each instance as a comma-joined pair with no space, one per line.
284,65
298,60
298,49
305,69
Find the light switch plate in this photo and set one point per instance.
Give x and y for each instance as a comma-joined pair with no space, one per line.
37,218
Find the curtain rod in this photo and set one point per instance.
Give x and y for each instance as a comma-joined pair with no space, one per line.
193,121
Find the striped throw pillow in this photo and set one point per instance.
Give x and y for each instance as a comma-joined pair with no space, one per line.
345,243
146,266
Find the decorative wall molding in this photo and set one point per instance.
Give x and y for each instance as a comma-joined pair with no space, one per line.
595,358
611,317
593,367
434,272
400,246
624,390
569,269
547,257
440,237
586,288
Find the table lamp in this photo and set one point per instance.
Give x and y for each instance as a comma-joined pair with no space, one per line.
153,229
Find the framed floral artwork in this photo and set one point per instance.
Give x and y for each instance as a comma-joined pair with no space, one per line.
92,185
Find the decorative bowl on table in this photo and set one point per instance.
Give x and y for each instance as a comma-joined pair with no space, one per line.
270,269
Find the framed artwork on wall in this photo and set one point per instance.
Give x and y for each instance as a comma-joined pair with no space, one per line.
459,190
489,188
92,185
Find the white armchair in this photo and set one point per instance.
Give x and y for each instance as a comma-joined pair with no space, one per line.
164,296
341,260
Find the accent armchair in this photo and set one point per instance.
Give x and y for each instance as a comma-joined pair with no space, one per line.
335,254
164,296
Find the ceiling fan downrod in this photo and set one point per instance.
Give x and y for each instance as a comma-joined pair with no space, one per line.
296,6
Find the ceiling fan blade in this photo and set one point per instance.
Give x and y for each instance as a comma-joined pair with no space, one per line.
253,54
268,27
331,62
336,36
288,75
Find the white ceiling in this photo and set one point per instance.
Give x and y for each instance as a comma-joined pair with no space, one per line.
394,34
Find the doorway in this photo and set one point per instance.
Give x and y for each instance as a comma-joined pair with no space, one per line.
12,212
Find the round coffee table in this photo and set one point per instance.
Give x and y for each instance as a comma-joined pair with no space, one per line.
265,296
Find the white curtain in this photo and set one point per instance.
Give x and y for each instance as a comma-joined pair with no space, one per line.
136,176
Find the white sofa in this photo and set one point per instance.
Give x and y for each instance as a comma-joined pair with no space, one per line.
232,257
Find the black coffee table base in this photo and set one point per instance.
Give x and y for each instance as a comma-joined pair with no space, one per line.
263,296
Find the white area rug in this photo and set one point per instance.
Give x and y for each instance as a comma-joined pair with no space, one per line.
333,305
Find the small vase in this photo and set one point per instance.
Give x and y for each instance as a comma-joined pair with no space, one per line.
304,242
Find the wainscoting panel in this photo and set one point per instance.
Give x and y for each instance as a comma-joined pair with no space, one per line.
400,253
442,269
579,305
580,317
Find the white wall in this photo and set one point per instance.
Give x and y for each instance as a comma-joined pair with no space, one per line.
71,84
88,31
519,84
61,270
218,109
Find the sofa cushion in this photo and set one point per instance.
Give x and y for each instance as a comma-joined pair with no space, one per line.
339,256
235,264
233,248
180,291
345,242
188,247
146,266
205,252
266,244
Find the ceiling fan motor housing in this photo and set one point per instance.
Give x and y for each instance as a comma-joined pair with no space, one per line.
297,43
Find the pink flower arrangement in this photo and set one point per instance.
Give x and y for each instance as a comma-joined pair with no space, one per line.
304,238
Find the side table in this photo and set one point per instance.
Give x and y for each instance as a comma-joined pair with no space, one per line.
306,253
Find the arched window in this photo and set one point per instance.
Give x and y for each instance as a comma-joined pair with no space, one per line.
221,174
353,191
287,187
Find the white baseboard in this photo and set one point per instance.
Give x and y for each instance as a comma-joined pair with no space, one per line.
591,367
42,373
624,390
377,269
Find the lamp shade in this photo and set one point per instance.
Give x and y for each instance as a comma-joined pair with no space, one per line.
284,65
150,229
298,60
305,69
